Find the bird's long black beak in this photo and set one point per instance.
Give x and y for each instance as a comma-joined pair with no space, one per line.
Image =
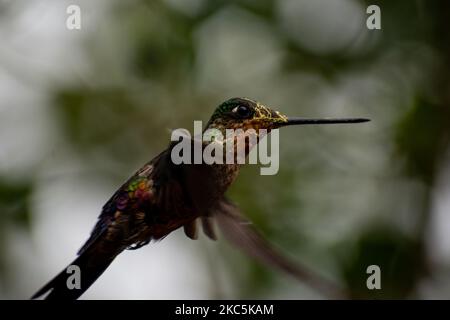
304,121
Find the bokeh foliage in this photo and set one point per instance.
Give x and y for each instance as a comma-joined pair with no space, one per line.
147,75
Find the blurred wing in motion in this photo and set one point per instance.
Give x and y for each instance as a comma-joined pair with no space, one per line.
241,233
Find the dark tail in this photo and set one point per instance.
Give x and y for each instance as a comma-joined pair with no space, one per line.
91,265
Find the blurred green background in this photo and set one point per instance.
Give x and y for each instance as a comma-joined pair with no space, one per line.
81,110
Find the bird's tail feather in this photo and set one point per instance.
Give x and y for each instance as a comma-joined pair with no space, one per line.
91,265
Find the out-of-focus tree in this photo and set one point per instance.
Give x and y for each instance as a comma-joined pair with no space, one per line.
345,197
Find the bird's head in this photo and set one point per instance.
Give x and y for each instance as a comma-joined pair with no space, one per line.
242,113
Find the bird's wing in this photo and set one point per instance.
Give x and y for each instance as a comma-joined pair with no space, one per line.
142,201
240,231
135,214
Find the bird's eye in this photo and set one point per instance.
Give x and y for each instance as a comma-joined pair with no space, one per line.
242,111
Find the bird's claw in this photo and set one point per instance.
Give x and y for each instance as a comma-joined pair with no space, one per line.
138,245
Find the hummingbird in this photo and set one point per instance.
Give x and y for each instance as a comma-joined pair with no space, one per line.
162,197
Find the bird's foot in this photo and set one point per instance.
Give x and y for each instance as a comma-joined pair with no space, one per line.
138,245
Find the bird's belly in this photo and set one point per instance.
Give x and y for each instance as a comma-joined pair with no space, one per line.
224,175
